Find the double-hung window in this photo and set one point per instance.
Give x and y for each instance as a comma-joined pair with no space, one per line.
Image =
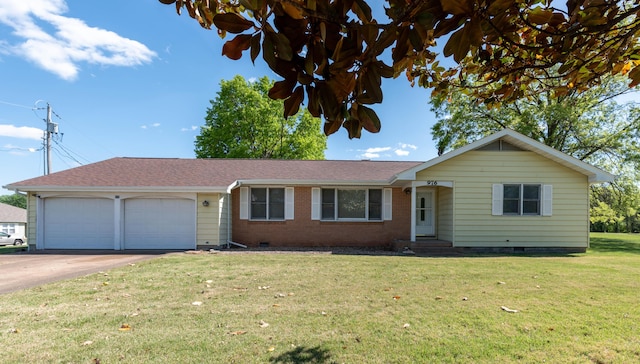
8,228
351,204
267,203
522,199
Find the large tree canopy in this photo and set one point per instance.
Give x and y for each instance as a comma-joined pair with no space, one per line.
243,122
335,51
591,125
15,199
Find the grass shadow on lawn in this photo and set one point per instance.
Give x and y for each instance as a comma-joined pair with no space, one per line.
614,243
304,355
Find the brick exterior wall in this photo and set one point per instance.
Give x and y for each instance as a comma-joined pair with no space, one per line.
302,232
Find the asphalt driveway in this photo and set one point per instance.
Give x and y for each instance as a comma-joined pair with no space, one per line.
20,271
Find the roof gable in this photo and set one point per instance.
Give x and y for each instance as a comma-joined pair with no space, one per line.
515,141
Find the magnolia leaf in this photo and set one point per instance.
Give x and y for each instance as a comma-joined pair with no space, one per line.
124,327
248,4
539,16
293,11
292,103
232,23
457,7
283,47
281,89
255,47
384,70
369,33
362,10
314,102
498,6
368,119
331,126
233,48
268,51
458,45
474,32
634,75
353,128
329,104
236,333
399,53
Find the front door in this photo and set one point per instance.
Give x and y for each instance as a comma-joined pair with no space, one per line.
425,216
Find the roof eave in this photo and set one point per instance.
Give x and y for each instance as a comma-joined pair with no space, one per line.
304,182
201,189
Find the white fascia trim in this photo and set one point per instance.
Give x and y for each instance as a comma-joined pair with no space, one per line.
292,182
122,189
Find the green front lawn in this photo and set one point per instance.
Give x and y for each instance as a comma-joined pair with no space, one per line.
322,308
8,249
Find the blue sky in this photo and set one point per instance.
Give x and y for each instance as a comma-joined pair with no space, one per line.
133,79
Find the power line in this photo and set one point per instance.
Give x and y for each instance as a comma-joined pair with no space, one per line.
70,154
16,105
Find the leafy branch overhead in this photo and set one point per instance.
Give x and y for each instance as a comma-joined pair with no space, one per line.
336,53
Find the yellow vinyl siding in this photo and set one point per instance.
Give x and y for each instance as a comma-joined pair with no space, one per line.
444,207
31,220
208,220
474,173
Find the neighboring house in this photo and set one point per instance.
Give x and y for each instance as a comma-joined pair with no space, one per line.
505,191
13,220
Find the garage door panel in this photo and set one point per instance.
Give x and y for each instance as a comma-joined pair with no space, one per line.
78,223
159,224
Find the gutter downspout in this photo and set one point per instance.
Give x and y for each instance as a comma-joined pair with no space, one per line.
229,241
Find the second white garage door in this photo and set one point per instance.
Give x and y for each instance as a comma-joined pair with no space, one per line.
159,223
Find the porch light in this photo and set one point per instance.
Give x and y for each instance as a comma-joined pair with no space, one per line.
205,203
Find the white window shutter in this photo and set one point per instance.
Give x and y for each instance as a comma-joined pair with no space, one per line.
315,203
497,195
244,203
547,200
387,203
288,203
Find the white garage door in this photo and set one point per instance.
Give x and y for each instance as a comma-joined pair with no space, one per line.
162,223
78,223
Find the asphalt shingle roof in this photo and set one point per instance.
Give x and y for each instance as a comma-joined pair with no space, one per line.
10,213
162,172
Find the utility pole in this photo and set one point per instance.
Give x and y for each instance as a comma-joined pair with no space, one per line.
51,129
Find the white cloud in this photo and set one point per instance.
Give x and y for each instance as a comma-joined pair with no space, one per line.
70,42
402,150
23,132
377,150
192,128
371,153
154,125
407,146
367,155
